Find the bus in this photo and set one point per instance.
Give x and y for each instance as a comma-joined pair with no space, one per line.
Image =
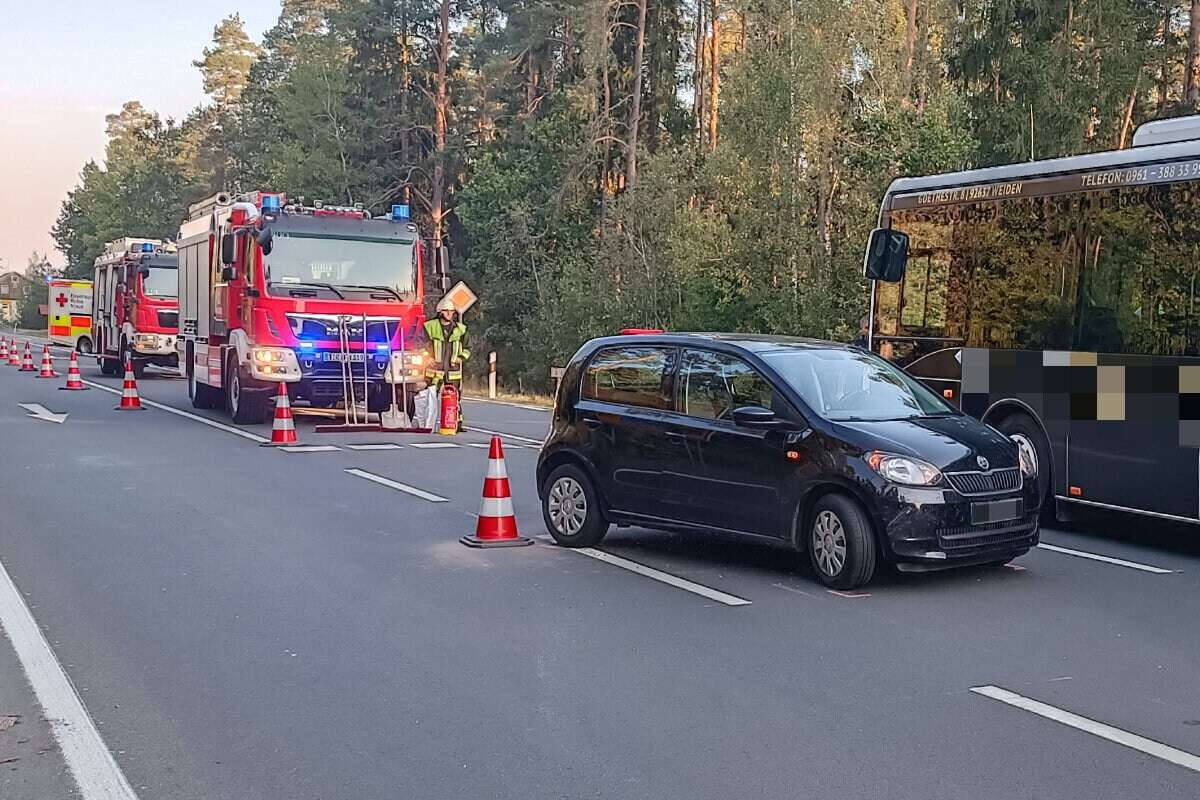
1059,301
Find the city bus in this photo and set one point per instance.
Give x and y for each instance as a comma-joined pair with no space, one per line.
1059,301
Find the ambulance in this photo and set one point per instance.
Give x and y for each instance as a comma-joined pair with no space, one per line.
69,314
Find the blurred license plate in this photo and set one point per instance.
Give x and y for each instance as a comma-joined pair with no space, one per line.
997,511
342,356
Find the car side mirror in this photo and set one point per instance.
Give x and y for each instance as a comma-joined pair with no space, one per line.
887,255
754,417
227,249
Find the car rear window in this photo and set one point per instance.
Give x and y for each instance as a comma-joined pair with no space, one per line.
632,376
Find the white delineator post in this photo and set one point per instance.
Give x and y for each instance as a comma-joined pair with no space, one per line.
492,375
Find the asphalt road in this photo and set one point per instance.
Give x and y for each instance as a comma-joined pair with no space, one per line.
242,622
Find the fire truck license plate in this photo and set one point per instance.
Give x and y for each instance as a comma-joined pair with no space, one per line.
342,357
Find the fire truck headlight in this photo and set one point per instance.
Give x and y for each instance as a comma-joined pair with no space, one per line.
146,341
274,363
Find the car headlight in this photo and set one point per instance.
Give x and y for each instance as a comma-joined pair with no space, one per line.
147,340
1026,455
270,355
903,469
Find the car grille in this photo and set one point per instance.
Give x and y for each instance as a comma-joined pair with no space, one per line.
968,539
168,319
975,483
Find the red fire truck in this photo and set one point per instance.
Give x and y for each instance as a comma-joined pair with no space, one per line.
317,297
135,312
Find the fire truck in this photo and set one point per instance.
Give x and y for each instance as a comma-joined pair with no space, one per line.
69,321
135,313
321,298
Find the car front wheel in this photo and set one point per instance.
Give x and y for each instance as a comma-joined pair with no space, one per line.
571,509
841,545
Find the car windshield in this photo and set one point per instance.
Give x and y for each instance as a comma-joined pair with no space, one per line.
343,261
161,282
852,385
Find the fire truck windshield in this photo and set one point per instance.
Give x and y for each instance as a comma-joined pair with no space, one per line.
298,258
161,282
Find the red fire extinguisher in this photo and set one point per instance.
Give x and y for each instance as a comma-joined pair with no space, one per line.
449,410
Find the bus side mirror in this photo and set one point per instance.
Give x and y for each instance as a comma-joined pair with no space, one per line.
227,249
887,255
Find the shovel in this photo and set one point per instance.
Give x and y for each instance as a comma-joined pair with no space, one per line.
395,418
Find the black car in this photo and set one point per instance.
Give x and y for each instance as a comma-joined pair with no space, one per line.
824,446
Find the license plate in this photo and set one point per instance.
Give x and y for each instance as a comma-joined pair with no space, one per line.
343,357
997,511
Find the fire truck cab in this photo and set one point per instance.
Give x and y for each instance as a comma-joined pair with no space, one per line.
135,313
322,299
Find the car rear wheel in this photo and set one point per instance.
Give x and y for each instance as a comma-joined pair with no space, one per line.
571,509
841,545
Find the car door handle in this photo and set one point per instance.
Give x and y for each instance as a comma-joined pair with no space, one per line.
592,422
676,435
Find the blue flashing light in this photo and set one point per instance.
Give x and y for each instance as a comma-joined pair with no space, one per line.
270,202
400,212
147,247
307,345
381,348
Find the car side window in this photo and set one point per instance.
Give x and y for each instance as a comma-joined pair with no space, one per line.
632,376
712,385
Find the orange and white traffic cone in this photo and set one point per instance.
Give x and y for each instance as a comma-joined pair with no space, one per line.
47,364
129,393
497,525
74,379
3,350
27,360
283,427
14,354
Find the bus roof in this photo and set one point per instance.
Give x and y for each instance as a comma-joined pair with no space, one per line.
1056,166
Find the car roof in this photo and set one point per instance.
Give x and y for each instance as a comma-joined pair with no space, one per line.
754,342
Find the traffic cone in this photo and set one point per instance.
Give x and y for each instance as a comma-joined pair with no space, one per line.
129,393
3,350
47,364
497,526
74,379
27,360
14,355
283,427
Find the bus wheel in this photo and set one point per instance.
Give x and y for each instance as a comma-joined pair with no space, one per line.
1022,426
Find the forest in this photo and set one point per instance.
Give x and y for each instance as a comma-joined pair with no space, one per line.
600,164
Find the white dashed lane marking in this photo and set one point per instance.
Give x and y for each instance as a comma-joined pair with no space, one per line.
400,487
1120,562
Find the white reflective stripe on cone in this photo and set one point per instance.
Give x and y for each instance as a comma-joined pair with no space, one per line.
496,507
496,468
285,425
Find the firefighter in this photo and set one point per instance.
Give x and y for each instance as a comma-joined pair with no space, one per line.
447,350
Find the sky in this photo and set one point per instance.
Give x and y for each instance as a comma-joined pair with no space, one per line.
64,64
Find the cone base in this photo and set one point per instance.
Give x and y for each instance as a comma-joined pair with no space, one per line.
52,375
72,388
129,408
278,444
473,541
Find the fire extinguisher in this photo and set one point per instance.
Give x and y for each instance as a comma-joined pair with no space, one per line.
449,410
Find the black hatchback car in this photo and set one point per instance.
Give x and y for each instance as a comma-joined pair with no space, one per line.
824,446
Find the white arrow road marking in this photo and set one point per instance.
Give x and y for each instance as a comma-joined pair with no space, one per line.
39,411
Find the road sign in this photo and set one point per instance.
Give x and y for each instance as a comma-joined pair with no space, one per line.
461,296
39,411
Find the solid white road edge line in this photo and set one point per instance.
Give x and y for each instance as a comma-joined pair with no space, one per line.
1116,735
1107,560
663,577
96,772
503,435
212,423
400,487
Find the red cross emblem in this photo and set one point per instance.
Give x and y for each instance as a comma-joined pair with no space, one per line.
61,299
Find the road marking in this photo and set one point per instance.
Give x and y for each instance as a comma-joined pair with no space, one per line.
96,772
400,487
849,595
39,411
513,436
1118,561
254,437
527,406
1116,735
310,448
434,445
791,589
384,446
664,577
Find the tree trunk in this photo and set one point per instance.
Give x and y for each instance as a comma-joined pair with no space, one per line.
1192,75
698,74
910,52
714,79
635,105
440,107
1164,74
1127,119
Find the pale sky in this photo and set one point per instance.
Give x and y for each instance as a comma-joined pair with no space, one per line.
64,64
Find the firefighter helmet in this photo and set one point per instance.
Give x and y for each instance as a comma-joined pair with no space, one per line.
445,304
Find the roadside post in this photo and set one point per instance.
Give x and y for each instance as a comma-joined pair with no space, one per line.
556,375
492,375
